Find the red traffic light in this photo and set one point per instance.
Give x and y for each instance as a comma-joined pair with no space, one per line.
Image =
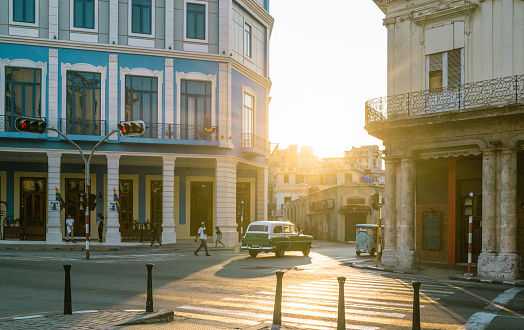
132,128
31,125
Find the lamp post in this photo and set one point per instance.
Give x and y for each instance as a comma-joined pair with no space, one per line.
87,183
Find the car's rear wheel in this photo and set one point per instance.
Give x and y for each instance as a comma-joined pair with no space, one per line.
306,250
253,253
280,251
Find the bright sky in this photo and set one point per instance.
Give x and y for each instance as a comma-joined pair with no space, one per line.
326,59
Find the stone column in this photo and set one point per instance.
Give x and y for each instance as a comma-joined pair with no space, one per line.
487,257
225,200
113,22
113,182
54,225
170,23
389,256
53,19
112,88
407,256
168,200
261,191
509,260
52,117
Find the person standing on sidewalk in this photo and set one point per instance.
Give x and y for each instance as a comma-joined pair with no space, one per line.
202,231
69,228
218,238
101,226
155,236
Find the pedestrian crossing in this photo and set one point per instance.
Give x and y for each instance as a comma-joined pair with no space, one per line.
371,302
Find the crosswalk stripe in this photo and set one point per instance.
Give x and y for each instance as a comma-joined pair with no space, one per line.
360,279
380,297
217,318
375,288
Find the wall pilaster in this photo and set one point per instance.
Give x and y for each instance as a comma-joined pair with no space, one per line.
54,226
113,182
225,200
407,256
262,194
389,254
168,200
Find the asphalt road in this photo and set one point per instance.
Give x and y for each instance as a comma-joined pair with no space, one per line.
232,287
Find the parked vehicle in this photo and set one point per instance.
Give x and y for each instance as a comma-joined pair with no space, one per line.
366,241
275,236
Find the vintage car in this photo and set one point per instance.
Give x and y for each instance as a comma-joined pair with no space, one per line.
274,236
366,241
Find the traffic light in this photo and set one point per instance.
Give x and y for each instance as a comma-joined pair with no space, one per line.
374,201
31,125
132,128
81,202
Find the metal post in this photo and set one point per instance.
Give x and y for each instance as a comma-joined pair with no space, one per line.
470,238
416,306
379,227
68,309
341,323
149,301
277,312
87,191
241,219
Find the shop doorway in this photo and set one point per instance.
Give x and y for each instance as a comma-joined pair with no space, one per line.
201,207
156,204
33,208
243,206
73,207
351,222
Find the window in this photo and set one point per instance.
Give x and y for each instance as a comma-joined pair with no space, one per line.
196,21
141,16
83,103
287,199
286,178
277,230
247,40
24,11
142,101
84,14
445,69
196,108
22,94
248,116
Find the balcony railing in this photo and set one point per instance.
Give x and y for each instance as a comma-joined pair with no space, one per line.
7,123
254,143
83,126
180,132
476,95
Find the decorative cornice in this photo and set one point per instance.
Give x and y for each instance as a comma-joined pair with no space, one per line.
113,58
57,44
389,20
260,13
169,62
442,11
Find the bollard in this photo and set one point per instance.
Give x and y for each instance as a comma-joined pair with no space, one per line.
341,323
68,309
416,306
149,302
277,313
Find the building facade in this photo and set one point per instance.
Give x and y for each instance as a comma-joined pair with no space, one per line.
195,71
452,128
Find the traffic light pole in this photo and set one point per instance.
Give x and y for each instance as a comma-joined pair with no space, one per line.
87,187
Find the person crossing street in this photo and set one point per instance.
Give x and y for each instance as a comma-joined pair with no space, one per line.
202,231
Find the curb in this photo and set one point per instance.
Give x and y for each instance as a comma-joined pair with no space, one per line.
150,318
383,269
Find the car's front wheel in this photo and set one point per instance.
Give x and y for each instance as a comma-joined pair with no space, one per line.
253,253
306,250
280,251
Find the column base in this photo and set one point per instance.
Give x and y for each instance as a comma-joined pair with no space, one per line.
503,265
53,238
229,238
389,258
113,238
408,259
168,236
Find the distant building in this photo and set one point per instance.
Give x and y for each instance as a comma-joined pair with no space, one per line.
453,125
195,71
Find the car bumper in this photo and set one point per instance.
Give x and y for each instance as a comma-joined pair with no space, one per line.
262,248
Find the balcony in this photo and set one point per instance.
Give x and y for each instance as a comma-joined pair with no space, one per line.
72,126
481,95
179,132
254,144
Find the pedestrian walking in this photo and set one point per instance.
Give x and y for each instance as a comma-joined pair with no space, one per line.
69,228
101,225
202,231
218,236
155,237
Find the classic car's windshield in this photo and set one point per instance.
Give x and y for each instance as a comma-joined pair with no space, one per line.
261,228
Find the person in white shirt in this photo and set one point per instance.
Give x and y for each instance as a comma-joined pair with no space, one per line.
69,228
202,231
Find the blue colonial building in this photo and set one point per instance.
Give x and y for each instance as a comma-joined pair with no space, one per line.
195,71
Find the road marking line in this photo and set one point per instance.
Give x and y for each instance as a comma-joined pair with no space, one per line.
27,317
481,320
332,302
374,287
381,297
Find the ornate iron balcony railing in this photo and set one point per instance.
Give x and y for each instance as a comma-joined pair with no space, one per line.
476,95
7,122
180,132
83,126
251,140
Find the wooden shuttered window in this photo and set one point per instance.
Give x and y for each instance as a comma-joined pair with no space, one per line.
454,67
